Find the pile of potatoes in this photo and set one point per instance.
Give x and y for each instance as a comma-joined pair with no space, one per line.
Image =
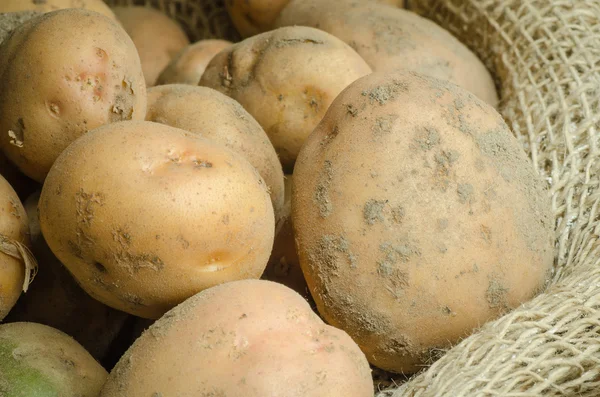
280,216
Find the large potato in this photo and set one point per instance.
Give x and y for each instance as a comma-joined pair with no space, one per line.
390,39
55,299
39,361
145,215
417,218
53,5
157,38
188,66
248,338
62,74
16,261
286,79
216,117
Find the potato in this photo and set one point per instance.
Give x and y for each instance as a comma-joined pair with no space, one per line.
188,66
17,264
145,215
392,39
284,266
248,338
417,218
216,117
36,360
53,5
286,80
157,38
55,299
61,75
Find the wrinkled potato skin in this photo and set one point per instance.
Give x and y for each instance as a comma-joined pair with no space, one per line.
248,338
418,218
216,117
82,72
157,38
53,5
188,66
145,215
286,79
54,299
36,360
13,227
391,39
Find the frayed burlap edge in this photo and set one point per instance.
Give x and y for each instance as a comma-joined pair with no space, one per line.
546,57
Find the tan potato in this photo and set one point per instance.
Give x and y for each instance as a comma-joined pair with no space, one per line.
251,17
417,218
36,360
53,5
391,39
157,38
145,215
216,117
55,299
248,338
188,66
15,260
92,78
286,80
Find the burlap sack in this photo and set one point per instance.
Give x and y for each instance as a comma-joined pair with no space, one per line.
545,55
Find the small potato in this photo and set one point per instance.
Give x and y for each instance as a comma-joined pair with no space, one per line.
36,361
286,80
157,38
392,39
62,74
216,117
417,218
53,5
16,262
55,299
247,338
145,215
188,66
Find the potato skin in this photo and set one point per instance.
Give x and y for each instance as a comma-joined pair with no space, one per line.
286,80
418,218
188,66
53,5
216,117
82,72
247,338
36,360
145,215
392,39
251,17
13,228
157,38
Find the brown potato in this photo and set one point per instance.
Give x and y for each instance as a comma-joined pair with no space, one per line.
286,80
36,360
188,66
55,299
417,218
216,117
392,39
92,78
251,17
157,38
53,5
15,260
247,338
145,215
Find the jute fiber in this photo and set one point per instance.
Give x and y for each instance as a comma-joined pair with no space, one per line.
545,55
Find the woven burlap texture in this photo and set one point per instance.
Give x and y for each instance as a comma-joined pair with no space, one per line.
546,57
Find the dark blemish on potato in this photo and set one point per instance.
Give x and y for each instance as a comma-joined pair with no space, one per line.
446,159
486,234
398,214
373,211
226,78
321,195
122,237
289,42
135,262
75,249
351,110
331,136
280,97
100,53
383,124
184,243
442,248
399,346
325,255
398,252
496,294
53,109
465,193
225,219
384,93
442,224
202,164
38,2
426,138
100,267
133,299
85,204
446,310
243,316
